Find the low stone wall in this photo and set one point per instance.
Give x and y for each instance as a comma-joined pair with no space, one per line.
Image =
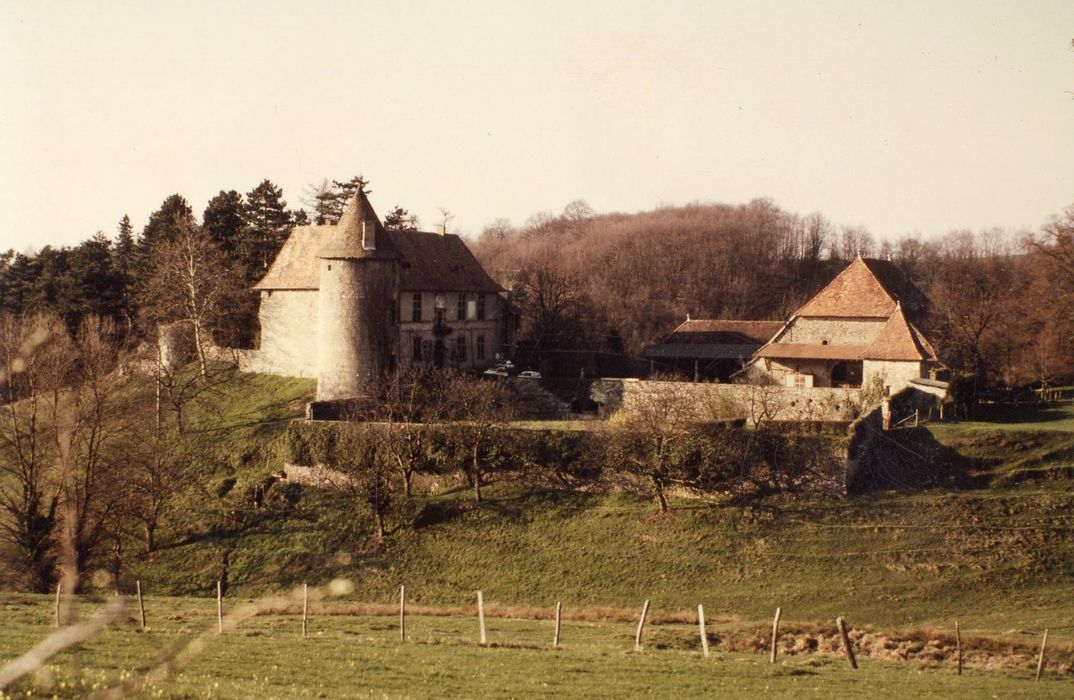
317,476
706,401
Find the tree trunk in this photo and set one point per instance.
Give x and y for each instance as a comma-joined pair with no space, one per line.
200,350
150,538
476,472
661,497
381,530
408,474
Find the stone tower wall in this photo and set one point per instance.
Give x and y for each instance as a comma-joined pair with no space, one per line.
355,327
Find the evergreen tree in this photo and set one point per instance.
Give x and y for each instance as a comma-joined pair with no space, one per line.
399,219
268,223
223,221
123,261
166,223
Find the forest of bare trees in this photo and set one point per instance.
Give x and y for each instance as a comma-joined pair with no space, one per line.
1002,301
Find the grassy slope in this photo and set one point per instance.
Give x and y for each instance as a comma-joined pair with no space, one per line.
1001,560
998,558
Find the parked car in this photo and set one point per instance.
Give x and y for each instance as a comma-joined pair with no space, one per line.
529,374
496,372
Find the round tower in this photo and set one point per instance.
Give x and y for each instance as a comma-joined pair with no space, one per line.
359,286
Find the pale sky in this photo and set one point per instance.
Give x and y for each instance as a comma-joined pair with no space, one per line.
900,116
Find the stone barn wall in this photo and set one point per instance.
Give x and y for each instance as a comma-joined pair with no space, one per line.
719,401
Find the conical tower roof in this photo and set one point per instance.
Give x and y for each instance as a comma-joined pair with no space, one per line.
359,233
899,340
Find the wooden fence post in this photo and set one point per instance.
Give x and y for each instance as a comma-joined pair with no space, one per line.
641,626
704,634
958,647
219,608
402,613
481,616
305,608
842,625
59,586
775,636
1040,660
555,636
141,601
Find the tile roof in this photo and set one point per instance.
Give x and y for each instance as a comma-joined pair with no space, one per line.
810,351
699,351
296,266
721,331
430,261
347,239
435,262
867,288
899,340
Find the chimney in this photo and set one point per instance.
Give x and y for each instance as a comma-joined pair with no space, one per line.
369,235
441,229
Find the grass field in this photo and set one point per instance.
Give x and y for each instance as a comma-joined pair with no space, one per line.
361,656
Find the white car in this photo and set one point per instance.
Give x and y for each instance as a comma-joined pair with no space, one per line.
496,372
529,374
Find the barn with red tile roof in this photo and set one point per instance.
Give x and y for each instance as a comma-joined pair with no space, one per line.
861,328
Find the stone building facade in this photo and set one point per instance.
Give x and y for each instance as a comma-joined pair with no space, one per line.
345,303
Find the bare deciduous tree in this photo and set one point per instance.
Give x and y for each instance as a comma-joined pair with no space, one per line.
647,433
192,285
481,408
35,355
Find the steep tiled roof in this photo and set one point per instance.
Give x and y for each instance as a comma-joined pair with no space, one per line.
720,331
430,261
296,264
899,340
434,262
809,351
867,288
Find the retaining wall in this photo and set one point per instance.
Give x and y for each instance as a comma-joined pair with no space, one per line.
708,401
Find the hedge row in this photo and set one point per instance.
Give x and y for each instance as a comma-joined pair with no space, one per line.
706,458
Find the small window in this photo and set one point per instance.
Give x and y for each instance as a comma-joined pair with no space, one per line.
460,348
329,267
415,309
479,351
417,350
480,307
461,315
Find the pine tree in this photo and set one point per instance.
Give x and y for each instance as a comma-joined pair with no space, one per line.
268,222
123,262
166,223
399,219
223,221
